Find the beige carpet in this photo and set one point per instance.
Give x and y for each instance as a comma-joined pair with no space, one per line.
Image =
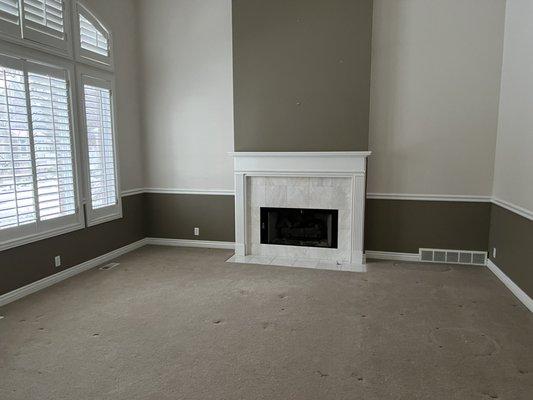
171,323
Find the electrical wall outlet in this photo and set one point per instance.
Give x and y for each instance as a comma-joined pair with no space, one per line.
196,231
57,261
494,252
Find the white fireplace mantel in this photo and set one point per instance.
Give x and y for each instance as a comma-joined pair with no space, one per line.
342,164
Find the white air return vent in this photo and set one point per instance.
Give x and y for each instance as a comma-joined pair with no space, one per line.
453,256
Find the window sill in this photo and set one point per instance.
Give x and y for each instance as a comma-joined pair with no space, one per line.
104,219
41,235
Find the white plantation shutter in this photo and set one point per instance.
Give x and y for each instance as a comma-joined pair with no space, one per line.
45,15
92,38
10,17
9,11
101,151
17,195
53,147
38,184
31,22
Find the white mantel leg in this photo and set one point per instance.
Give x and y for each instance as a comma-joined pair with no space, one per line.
240,214
358,222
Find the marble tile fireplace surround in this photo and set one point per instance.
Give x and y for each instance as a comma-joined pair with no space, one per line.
302,180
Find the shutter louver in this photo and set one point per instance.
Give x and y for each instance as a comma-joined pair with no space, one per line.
53,147
46,15
17,204
100,146
92,39
9,11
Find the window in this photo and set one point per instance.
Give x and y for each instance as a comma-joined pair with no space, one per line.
91,38
101,166
39,22
38,187
41,188
93,44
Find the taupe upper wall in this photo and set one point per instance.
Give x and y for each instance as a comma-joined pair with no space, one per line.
301,71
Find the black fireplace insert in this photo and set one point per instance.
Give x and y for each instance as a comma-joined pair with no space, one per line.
299,227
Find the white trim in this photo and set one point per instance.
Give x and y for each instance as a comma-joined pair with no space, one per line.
524,212
214,192
300,153
132,192
190,243
387,255
60,276
378,196
428,197
513,287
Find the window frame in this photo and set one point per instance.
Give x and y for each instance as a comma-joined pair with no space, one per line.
86,56
106,80
28,35
32,61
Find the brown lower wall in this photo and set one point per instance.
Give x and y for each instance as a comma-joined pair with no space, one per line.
23,265
512,236
174,216
403,226
391,225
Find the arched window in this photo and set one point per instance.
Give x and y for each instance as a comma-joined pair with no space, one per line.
93,39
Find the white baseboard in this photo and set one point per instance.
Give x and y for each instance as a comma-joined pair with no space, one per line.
60,276
387,255
190,243
513,287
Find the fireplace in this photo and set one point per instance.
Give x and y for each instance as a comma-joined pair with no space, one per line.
300,208
299,227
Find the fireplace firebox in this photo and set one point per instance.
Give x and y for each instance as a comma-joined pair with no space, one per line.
299,227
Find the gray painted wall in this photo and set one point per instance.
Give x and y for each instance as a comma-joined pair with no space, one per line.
301,72
436,67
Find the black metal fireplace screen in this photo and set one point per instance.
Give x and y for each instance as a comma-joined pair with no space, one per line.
299,227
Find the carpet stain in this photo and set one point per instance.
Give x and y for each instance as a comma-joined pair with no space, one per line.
217,321
356,375
465,341
322,375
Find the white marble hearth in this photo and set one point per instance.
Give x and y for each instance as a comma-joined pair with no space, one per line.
312,180
297,263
